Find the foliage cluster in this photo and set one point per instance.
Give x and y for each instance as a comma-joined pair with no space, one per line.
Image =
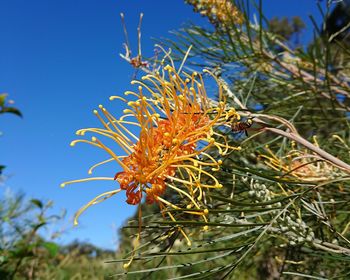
27,251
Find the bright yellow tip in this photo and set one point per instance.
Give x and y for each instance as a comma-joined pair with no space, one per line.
212,141
72,144
189,206
219,186
126,265
131,103
189,243
166,134
175,141
132,82
100,106
62,185
206,211
206,228
95,112
140,88
219,161
93,139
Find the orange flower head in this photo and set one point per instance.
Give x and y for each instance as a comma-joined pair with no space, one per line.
176,120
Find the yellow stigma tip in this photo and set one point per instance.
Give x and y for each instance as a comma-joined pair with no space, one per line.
220,161
205,228
140,88
126,265
206,211
100,106
62,185
95,112
189,243
93,139
132,82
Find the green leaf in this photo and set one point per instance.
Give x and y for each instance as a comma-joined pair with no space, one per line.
2,167
3,259
2,99
37,202
37,226
193,223
272,201
11,110
52,248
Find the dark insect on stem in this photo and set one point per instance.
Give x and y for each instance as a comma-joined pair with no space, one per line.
239,126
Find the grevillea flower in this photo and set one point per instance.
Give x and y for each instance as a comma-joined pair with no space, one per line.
302,164
176,123
219,12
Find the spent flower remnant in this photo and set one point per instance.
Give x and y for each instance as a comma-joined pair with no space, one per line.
219,12
176,121
301,164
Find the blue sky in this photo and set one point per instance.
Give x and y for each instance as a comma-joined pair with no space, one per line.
59,61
